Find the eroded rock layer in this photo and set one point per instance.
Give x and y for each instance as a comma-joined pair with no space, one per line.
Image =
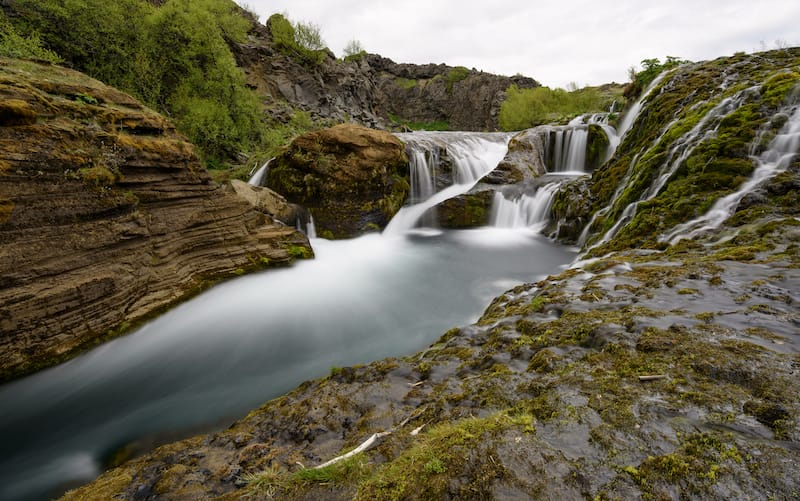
106,217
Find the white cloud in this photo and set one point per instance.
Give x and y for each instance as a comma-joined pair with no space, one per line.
584,41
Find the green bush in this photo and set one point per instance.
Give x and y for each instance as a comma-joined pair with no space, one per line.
525,108
12,44
651,68
286,38
454,76
175,57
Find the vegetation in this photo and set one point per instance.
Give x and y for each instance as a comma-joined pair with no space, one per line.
525,108
12,44
454,76
174,57
298,40
353,51
651,68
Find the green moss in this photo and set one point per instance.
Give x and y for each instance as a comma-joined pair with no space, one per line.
405,83
454,76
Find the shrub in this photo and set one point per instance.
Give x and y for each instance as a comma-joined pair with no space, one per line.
12,44
524,108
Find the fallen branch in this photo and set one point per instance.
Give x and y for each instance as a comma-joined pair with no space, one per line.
368,443
652,377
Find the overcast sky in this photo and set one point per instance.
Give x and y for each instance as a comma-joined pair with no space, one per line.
588,42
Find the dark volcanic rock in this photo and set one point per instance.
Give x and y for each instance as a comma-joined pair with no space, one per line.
106,217
351,178
373,90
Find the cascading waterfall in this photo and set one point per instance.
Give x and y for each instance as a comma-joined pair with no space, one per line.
774,160
678,152
524,211
569,148
473,156
259,177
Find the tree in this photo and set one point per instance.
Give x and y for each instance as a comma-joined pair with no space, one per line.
353,48
308,35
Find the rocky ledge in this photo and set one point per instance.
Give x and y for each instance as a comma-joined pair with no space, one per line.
106,217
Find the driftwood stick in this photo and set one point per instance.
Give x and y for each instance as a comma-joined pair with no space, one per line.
652,377
368,443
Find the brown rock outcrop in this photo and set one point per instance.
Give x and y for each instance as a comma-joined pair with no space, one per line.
352,179
106,217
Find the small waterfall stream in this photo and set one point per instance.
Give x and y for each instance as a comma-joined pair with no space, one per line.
774,160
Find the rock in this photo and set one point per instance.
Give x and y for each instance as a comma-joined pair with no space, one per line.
374,91
352,179
107,217
266,201
524,160
469,210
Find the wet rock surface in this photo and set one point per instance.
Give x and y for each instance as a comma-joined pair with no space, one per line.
106,217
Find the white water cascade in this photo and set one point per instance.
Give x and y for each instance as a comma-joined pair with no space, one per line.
524,211
678,152
259,177
774,160
569,148
473,156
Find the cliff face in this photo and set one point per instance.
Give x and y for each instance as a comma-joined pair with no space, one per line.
373,90
106,217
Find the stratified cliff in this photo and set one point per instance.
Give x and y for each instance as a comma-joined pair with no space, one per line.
106,217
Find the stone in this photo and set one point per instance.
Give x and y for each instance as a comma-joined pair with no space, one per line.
352,179
107,217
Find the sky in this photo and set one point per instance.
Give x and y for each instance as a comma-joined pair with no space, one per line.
582,42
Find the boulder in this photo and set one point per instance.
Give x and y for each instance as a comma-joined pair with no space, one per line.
352,179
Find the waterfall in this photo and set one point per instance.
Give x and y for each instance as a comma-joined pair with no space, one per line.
568,148
445,165
306,225
678,152
633,112
774,160
259,177
524,211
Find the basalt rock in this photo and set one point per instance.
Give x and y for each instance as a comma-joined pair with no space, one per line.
352,179
372,90
106,217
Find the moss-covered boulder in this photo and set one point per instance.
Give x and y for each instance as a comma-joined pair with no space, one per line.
469,210
597,144
352,179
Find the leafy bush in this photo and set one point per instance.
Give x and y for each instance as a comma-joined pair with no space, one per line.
286,38
525,108
651,68
308,35
353,50
12,44
174,57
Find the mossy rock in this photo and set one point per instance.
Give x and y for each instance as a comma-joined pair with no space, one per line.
470,210
352,179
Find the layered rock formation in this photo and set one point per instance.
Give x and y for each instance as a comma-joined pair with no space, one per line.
660,373
373,90
352,179
106,217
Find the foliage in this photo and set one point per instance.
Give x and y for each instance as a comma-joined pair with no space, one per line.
353,50
525,108
175,57
12,44
454,76
651,68
286,38
308,35
435,125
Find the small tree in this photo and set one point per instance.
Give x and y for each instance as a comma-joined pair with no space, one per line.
308,35
353,48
